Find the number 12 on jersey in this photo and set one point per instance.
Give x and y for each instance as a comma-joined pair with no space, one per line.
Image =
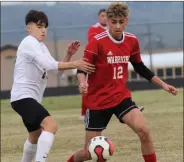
118,72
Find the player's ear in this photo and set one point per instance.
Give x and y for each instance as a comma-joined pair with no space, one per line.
126,21
28,27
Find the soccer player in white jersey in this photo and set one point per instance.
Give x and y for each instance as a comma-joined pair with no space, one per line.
30,79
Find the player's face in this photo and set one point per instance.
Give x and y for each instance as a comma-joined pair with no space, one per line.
116,26
39,31
102,18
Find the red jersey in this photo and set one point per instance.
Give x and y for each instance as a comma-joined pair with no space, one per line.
107,85
94,30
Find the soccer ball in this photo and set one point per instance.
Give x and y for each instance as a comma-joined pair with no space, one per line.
100,148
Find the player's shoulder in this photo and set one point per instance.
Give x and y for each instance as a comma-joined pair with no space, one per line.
28,41
95,25
97,39
101,36
130,36
93,28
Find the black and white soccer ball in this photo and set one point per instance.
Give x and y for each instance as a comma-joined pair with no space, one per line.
100,148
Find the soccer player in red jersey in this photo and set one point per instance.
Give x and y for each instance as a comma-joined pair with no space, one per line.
106,91
100,26
97,28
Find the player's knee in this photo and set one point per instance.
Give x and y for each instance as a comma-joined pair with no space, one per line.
33,136
52,126
144,134
49,124
33,139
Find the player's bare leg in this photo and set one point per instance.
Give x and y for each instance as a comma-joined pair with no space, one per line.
46,139
135,120
83,155
33,136
30,146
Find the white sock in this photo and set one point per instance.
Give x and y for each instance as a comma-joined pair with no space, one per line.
45,142
29,151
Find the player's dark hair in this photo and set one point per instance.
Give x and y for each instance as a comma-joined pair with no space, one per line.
37,17
101,10
117,9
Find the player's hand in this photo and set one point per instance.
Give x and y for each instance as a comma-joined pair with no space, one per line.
73,47
170,89
83,65
83,87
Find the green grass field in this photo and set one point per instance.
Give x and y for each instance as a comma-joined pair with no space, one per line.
163,112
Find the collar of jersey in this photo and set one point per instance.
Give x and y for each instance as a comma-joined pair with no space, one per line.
114,40
35,38
104,27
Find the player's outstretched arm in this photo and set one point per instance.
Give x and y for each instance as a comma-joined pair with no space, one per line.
50,64
143,71
79,64
46,61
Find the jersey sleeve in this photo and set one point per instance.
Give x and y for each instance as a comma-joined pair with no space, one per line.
91,51
33,50
135,55
91,33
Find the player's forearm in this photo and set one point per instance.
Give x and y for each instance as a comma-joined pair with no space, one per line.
143,71
67,65
63,67
67,58
81,77
52,65
156,80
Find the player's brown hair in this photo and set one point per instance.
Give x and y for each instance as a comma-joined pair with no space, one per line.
117,9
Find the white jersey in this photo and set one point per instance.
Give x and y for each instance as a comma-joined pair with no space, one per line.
30,72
